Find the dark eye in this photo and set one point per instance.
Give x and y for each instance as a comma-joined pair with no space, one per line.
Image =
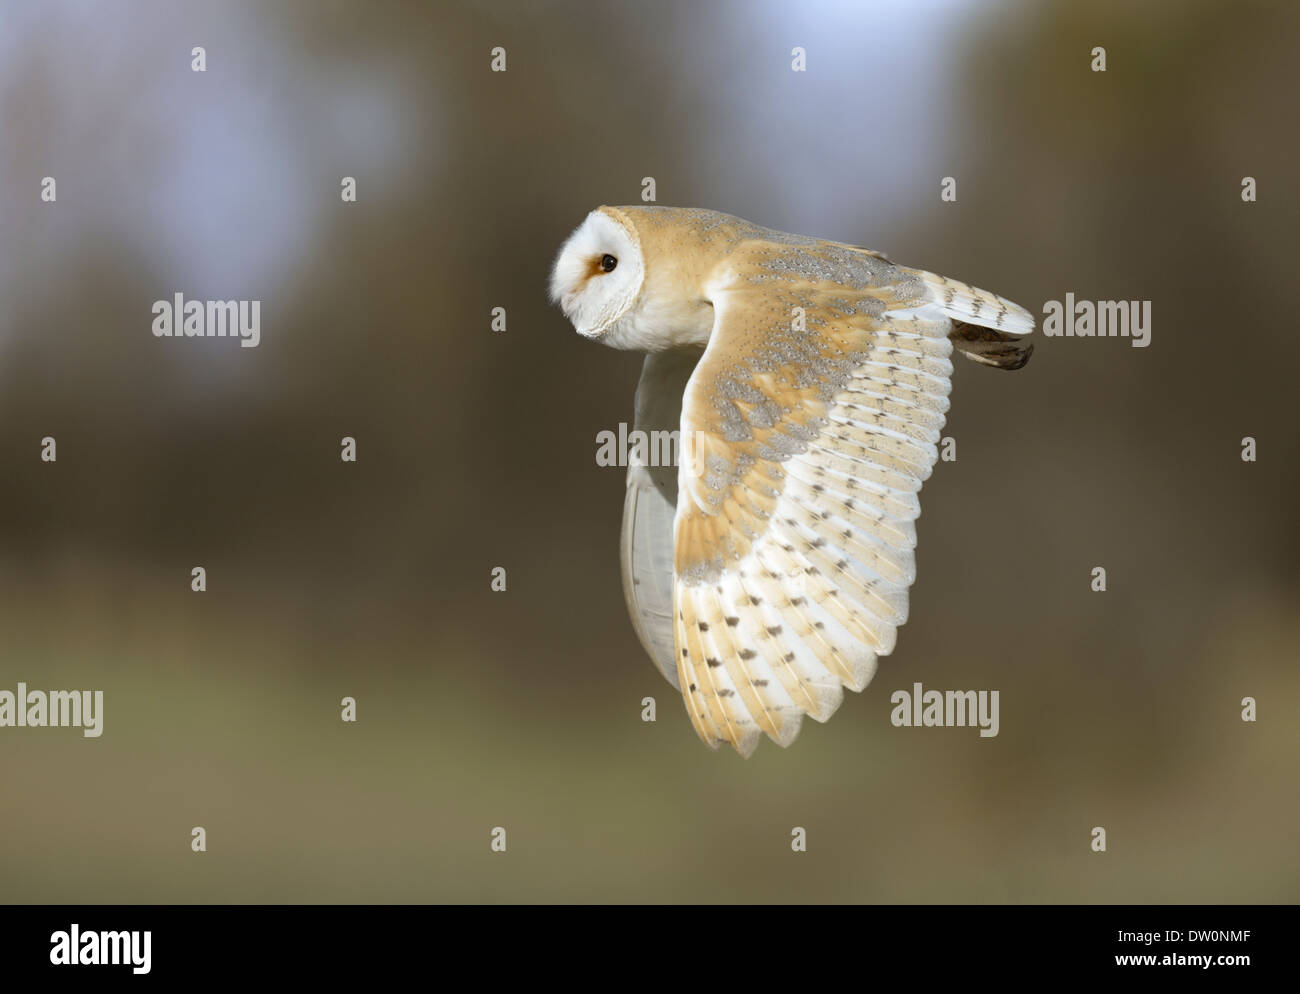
608,262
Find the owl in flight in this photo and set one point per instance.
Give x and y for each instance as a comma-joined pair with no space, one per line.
808,381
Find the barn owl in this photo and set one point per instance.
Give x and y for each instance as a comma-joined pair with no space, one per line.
808,381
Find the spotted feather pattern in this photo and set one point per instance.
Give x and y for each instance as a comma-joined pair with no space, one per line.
808,429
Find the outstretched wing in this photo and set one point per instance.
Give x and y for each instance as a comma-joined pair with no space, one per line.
646,548
807,430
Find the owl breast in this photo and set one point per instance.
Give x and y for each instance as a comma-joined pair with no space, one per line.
662,320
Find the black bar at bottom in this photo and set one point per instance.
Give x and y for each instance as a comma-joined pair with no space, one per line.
745,944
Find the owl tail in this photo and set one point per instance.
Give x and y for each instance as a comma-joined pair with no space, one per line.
989,347
985,327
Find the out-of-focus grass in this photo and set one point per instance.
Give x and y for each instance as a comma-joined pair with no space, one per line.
204,727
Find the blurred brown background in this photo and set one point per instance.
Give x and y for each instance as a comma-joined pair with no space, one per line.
522,709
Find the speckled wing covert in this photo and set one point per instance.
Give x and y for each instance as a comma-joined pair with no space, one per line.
807,429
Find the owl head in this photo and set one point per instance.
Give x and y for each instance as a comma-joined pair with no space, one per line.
598,273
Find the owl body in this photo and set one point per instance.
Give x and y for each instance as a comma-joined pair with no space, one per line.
770,570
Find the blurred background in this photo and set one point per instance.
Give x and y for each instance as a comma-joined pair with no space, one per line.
476,449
